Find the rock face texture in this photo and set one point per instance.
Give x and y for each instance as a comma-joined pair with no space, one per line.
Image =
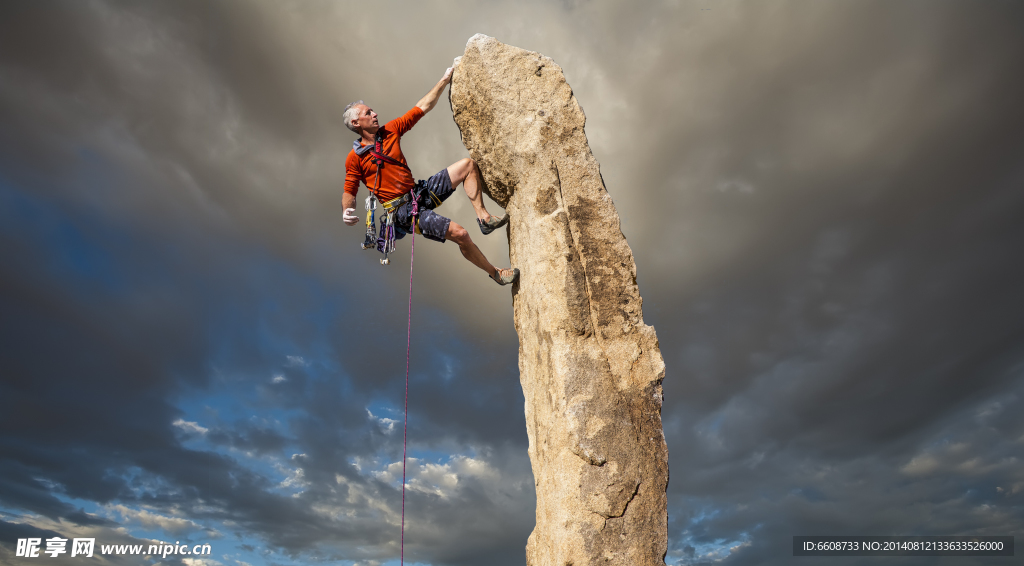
590,368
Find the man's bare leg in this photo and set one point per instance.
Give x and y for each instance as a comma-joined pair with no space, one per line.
465,171
460,236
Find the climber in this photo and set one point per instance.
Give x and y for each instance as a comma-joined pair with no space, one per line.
379,150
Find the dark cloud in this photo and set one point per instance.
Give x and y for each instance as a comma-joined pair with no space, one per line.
823,199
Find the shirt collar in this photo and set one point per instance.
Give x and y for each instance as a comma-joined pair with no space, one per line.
359,148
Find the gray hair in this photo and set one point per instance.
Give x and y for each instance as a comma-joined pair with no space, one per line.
351,113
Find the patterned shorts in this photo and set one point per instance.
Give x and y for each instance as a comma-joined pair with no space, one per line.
430,194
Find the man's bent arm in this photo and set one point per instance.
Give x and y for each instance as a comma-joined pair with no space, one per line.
427,102
348,200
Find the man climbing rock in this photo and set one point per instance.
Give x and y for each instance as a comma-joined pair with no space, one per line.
377,161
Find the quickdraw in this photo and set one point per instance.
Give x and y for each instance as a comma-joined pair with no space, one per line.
371,229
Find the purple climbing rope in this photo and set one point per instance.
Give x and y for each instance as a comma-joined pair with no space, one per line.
408,343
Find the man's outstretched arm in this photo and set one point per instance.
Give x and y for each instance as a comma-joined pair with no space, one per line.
427,102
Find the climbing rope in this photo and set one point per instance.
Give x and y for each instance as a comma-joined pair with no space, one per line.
408,343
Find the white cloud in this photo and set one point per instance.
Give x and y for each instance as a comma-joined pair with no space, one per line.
387,425
294,477
149,520
190,427
203,562
442,480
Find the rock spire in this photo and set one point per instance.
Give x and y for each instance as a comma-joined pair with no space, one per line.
590,368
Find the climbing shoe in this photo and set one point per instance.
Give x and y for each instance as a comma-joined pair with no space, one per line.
505,279
492,224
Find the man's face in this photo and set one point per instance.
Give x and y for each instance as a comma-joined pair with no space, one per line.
367,119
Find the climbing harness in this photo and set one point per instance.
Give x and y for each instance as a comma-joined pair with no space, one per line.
385,241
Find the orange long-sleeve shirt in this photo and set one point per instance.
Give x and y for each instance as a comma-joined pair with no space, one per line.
395,180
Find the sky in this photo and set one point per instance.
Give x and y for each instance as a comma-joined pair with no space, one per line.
825,201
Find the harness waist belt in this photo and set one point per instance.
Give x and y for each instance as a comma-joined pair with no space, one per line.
396,202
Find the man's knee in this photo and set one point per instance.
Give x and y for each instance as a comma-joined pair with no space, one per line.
457,234
461,169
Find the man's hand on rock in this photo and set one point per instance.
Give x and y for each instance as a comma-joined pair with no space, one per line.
350,217
427,102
